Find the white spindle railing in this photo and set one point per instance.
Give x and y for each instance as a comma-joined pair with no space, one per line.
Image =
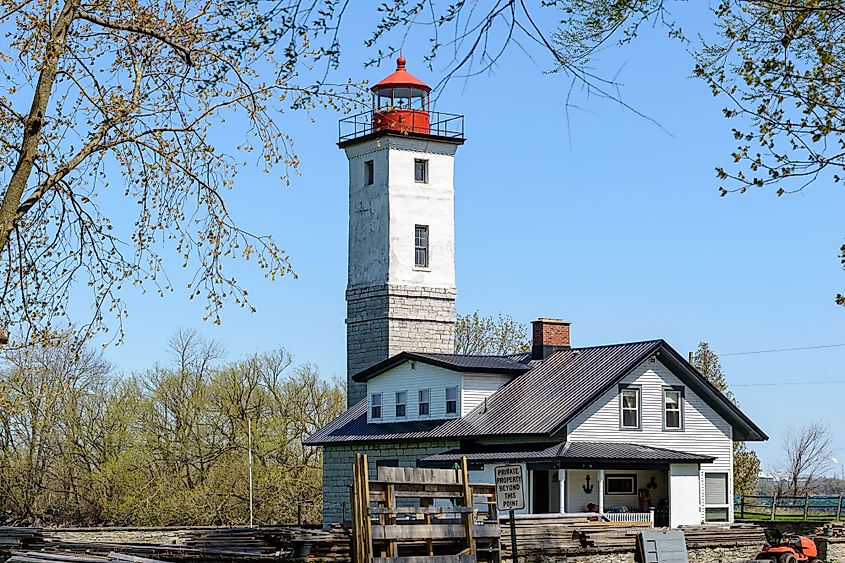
629,517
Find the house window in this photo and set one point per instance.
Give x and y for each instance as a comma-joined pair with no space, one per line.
375,405
369,173
716,508
620,484
421,246
672,409
421,171
630,407
425,402
401,403
451,400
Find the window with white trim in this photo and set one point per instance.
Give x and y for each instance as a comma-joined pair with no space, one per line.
425,402
629,403
716,507
401,403
375,405
421,246
451,400
672,409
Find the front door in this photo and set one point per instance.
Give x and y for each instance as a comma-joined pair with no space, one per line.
540,491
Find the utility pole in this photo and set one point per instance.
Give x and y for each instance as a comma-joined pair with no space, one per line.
249,434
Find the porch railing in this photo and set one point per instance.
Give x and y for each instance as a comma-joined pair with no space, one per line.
629,517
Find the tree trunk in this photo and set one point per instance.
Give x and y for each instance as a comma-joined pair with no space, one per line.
35,121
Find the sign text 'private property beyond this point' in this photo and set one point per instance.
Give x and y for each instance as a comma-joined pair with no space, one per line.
509,488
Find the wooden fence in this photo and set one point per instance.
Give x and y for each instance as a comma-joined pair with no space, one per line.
785,507
411,514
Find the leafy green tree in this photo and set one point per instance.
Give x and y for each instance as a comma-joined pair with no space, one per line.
476,334
169,446
746,463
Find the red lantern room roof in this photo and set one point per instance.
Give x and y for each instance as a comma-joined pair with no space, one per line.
401,78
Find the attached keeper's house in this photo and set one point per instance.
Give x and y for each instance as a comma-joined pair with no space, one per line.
624,432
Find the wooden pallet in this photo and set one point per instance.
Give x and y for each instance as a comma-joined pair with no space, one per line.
410,513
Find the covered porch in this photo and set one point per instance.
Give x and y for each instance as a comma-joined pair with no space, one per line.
611,482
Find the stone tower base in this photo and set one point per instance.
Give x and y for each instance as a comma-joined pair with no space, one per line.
386,319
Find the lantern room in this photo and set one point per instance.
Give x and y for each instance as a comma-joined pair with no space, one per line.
401,102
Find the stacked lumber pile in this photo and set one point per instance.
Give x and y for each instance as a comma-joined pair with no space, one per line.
571,535
44,557
610,536
547,535
251,541
331,543
20,538
269,541
727,535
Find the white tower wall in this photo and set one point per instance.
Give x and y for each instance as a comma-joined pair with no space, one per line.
392,305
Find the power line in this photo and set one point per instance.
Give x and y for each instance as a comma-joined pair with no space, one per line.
778,384
784,350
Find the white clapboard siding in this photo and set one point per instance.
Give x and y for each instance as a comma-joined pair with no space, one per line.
704,431
404,377
477,387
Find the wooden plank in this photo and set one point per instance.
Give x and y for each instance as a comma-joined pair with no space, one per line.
390,519
467,501
132,558
438,532
417,475
428,559
420,510
382,498
429,545
368,524
415,486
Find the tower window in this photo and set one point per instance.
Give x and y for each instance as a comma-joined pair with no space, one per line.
421,246
421,170
401,403
375,405
369,173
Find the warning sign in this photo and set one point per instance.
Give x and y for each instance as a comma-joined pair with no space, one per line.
509,494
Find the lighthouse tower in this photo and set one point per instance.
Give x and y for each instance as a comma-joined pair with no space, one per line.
401,286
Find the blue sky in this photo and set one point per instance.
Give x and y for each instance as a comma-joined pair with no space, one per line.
598,216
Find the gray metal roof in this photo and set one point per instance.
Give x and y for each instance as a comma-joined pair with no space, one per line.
537,403
572,452
455,362
533,403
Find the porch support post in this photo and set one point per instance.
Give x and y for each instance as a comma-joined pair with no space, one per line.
601,491
561,476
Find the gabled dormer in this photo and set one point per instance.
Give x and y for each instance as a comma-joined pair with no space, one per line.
417,386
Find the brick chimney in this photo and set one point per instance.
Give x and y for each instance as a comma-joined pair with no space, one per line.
548,336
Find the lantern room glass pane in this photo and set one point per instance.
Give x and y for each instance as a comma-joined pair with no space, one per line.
402,98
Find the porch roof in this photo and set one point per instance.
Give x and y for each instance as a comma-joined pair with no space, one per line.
571,452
